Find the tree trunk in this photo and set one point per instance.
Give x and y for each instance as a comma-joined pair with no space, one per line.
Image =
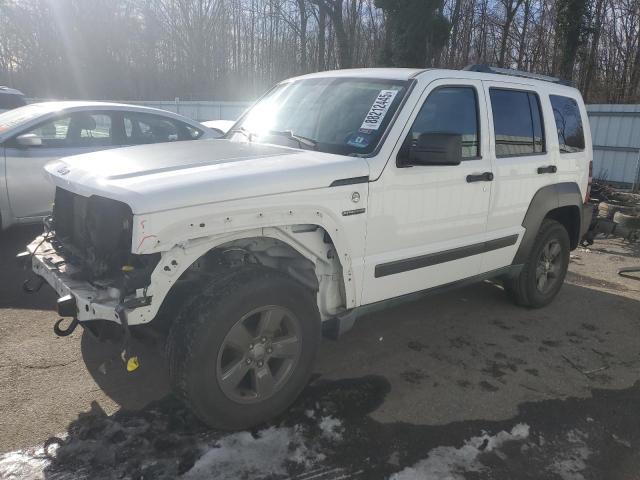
322,19
523,34
455,24
593,51
303,35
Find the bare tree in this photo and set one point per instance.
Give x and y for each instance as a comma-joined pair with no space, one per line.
235,49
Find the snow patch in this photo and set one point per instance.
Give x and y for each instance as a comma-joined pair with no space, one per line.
331,428
450,463
23,464
570,464
242,454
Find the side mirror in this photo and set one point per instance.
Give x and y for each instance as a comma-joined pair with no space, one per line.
436,149
29,140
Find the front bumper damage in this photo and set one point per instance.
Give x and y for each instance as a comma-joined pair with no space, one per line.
91,302
81,300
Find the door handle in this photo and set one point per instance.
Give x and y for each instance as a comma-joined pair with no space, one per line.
548,169
482,177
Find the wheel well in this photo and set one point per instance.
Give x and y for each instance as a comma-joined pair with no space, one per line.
265,251
569,217
306,253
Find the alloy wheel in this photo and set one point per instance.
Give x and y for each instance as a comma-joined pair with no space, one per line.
259,354
549,267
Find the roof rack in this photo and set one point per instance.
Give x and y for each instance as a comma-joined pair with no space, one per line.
484,68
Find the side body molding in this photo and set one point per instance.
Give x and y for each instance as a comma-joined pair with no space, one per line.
550,197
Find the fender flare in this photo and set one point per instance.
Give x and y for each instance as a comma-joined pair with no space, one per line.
546,199
178,259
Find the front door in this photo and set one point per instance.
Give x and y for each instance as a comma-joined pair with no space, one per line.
427,224
30,193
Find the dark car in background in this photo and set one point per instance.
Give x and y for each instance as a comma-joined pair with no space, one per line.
11,98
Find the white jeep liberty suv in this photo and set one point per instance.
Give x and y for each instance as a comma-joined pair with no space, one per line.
336,193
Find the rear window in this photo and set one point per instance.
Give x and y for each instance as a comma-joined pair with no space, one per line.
11,101
568,124
517,122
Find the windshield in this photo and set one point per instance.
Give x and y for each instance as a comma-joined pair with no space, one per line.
345,116
13,118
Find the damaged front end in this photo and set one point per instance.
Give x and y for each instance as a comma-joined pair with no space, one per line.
85,255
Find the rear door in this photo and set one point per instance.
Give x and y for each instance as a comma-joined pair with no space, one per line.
518,114
142,128
30,193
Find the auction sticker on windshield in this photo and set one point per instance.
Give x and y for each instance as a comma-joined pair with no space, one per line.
378,110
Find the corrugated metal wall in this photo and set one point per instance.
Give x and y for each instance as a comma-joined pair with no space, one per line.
616,143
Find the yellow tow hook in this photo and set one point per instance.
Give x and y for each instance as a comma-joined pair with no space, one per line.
132,364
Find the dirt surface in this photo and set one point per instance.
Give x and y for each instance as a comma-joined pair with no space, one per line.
463,384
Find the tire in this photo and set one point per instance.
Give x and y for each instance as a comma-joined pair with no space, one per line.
631,222
205,352
527,289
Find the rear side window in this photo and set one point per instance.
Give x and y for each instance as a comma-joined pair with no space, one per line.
450,110
568,124
143,128
517,122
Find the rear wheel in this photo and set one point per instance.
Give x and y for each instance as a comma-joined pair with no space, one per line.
545,269
242,350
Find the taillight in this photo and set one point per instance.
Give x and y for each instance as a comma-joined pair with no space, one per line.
587,197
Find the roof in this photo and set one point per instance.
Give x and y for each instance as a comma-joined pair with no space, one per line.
408,73
54,106
386,73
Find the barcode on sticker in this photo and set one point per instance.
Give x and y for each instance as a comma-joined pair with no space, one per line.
378,110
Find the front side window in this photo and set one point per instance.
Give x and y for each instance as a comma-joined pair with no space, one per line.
450,110
78,130
517,122
54,132
568,124
345,116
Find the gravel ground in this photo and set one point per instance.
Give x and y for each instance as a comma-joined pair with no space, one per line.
463,384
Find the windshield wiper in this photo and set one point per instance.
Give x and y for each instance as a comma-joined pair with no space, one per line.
298,138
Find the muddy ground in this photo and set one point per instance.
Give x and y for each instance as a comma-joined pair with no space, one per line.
460,385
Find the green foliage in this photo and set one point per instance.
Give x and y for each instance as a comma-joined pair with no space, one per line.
418,31
572,27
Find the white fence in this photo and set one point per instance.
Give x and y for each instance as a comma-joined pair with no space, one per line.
200,110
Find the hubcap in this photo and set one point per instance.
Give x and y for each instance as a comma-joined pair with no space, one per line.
259,354
549,266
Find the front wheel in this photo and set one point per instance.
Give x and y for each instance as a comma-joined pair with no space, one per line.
241,351
545,269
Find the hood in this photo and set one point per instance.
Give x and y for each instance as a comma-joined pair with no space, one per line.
165,176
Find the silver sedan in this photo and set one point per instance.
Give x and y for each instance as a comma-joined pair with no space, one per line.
33,135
